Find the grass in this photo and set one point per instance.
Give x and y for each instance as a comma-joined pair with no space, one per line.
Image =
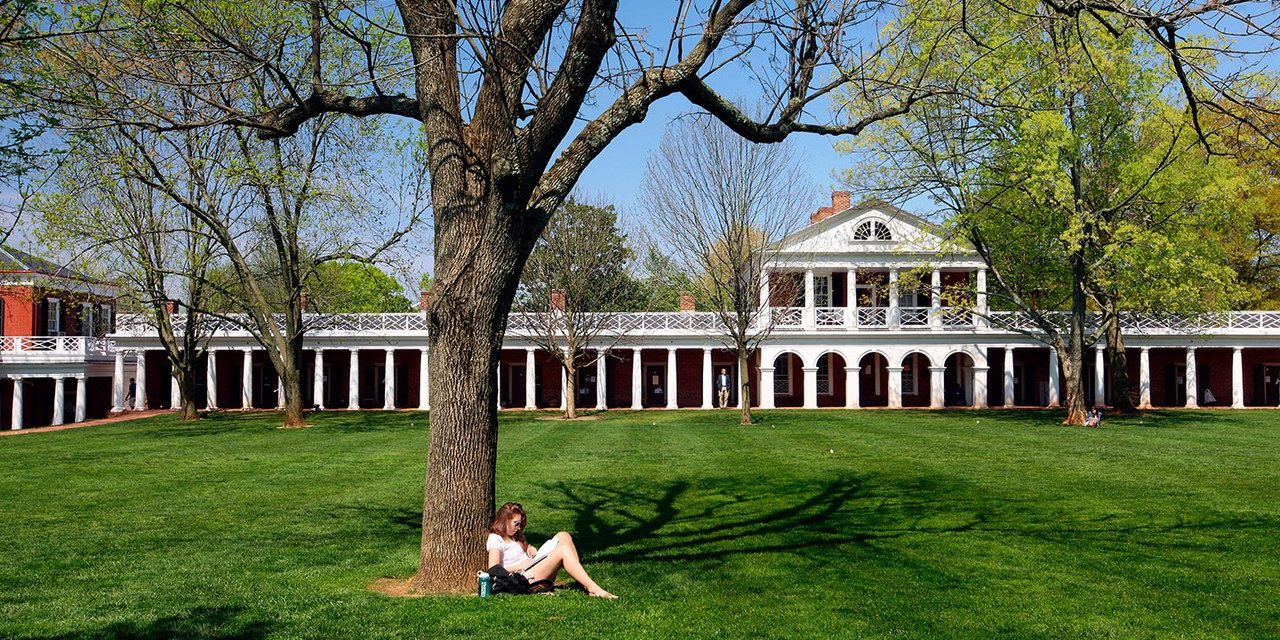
872,524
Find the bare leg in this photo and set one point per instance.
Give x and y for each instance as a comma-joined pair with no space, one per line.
566,554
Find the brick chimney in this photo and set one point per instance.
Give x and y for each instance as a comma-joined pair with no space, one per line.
170,307
557,299
840,201
687,302
302,300
424,300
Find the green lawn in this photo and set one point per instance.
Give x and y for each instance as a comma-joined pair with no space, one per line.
870,524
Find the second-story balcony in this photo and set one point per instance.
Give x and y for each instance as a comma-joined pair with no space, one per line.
872,317
46,347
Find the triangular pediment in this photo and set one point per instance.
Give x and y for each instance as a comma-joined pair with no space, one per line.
839,233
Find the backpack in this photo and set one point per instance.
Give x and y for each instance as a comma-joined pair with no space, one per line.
516,584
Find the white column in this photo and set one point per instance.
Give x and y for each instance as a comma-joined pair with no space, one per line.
1193,393
175,392
1055,396
279,392
353,381
211,379
389,380
117,384
1237,378
742,375
851,298
980,386
602,388
637,380
1144,378
810,387
140,374
424,380
765,313
15,415
981,302
766,387
708,389
671,378
59,400
935,300
894,316
530,379
810,316
317,379
497,375
1008,376
937,386
246,380
82,401
564,387
895,387
852,386
1099,376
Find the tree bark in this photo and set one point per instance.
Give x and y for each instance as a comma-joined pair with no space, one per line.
1073,359
1121,401
570,390
480,249
745,382
186,400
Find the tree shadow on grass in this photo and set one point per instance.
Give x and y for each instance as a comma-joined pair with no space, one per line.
672,522
200,623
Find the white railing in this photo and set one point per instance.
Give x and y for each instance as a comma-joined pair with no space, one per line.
877,317
680,322
788,316
45,345
913,316
830,316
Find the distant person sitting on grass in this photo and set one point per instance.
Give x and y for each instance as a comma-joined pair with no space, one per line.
1093,418
506,546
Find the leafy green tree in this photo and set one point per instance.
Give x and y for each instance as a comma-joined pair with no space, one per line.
356,287
1062,166
575,282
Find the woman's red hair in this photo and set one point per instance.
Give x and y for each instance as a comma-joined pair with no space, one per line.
502,521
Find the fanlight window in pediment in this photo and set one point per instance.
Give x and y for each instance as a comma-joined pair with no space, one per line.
872,230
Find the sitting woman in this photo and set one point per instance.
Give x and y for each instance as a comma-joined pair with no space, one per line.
506,546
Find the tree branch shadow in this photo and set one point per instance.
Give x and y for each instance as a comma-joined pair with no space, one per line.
199,623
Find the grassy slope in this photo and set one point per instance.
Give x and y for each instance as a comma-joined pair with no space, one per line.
870,524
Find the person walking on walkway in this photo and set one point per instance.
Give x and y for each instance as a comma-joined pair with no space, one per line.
722,387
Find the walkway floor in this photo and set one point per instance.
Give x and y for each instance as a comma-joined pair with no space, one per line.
120,417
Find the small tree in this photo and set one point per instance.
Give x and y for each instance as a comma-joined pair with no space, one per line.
579,266
160,253
721,203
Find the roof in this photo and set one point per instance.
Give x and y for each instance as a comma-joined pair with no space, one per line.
17,261
839,218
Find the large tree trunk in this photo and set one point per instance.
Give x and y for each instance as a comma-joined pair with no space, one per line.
1120,399
1073,359
745,383
479,257
186,400
293,413
570,391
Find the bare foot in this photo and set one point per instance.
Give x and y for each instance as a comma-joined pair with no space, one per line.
601,593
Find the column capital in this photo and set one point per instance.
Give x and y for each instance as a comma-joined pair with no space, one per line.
1191,348
766,369
79,376
977,368
892,368
1237,349
938,369
808,369
852,369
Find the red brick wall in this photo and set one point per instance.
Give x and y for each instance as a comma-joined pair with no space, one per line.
19,310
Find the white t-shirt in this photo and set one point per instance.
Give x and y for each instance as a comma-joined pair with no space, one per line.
512,552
